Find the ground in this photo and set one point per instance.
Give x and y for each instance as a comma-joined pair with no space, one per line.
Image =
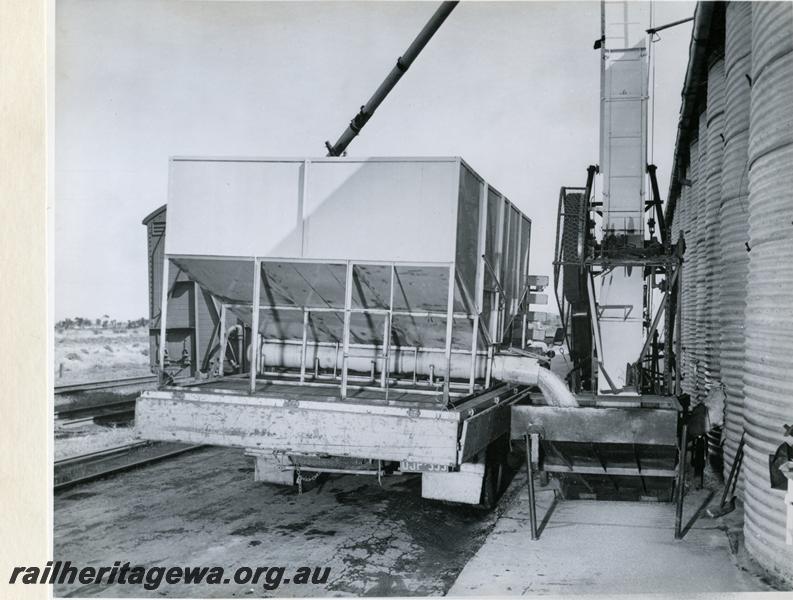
204,509
602,547
96,354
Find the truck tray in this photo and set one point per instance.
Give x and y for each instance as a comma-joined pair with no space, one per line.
312,420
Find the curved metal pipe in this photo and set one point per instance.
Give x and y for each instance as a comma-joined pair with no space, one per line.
555,389
525,370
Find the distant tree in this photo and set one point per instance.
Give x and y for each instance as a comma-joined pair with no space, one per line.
64,324
98,323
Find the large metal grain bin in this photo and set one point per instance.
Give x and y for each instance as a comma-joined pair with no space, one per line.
690,342
686,321
713,261
378,266
768,374
702,265
734,225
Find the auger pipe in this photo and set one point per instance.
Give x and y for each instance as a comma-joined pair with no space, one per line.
402,65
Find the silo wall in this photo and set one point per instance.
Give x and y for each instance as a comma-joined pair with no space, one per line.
711,314
691,270
702,264
768,372
686,297
734,225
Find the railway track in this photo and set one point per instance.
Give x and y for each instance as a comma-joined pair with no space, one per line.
95,411
104,385
91,409
94,465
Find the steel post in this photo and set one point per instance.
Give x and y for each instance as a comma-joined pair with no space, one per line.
530,485
254,364
681,481
163,315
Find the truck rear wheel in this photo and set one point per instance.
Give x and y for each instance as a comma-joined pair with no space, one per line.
498,473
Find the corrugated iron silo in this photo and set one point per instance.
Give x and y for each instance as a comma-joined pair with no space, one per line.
700,288
692,269
768,374
688,308
734,223
683,218
712,275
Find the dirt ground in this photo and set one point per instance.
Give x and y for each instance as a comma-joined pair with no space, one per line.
204,509
94,354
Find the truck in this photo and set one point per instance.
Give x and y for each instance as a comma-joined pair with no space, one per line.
341,315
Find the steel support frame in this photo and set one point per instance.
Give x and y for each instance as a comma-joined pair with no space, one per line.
449,329
532,441
680,483
222,339
255,336
532,446
165,293
388,313
498,301
479,292
670,264
384,373
670,289
348,310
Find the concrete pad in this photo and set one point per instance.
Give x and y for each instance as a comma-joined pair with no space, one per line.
591,547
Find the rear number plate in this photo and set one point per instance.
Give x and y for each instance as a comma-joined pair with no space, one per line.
422,467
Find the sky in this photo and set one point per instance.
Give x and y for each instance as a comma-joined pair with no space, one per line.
512,87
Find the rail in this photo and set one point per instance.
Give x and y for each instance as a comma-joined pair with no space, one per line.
102,385
95,410
111,461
